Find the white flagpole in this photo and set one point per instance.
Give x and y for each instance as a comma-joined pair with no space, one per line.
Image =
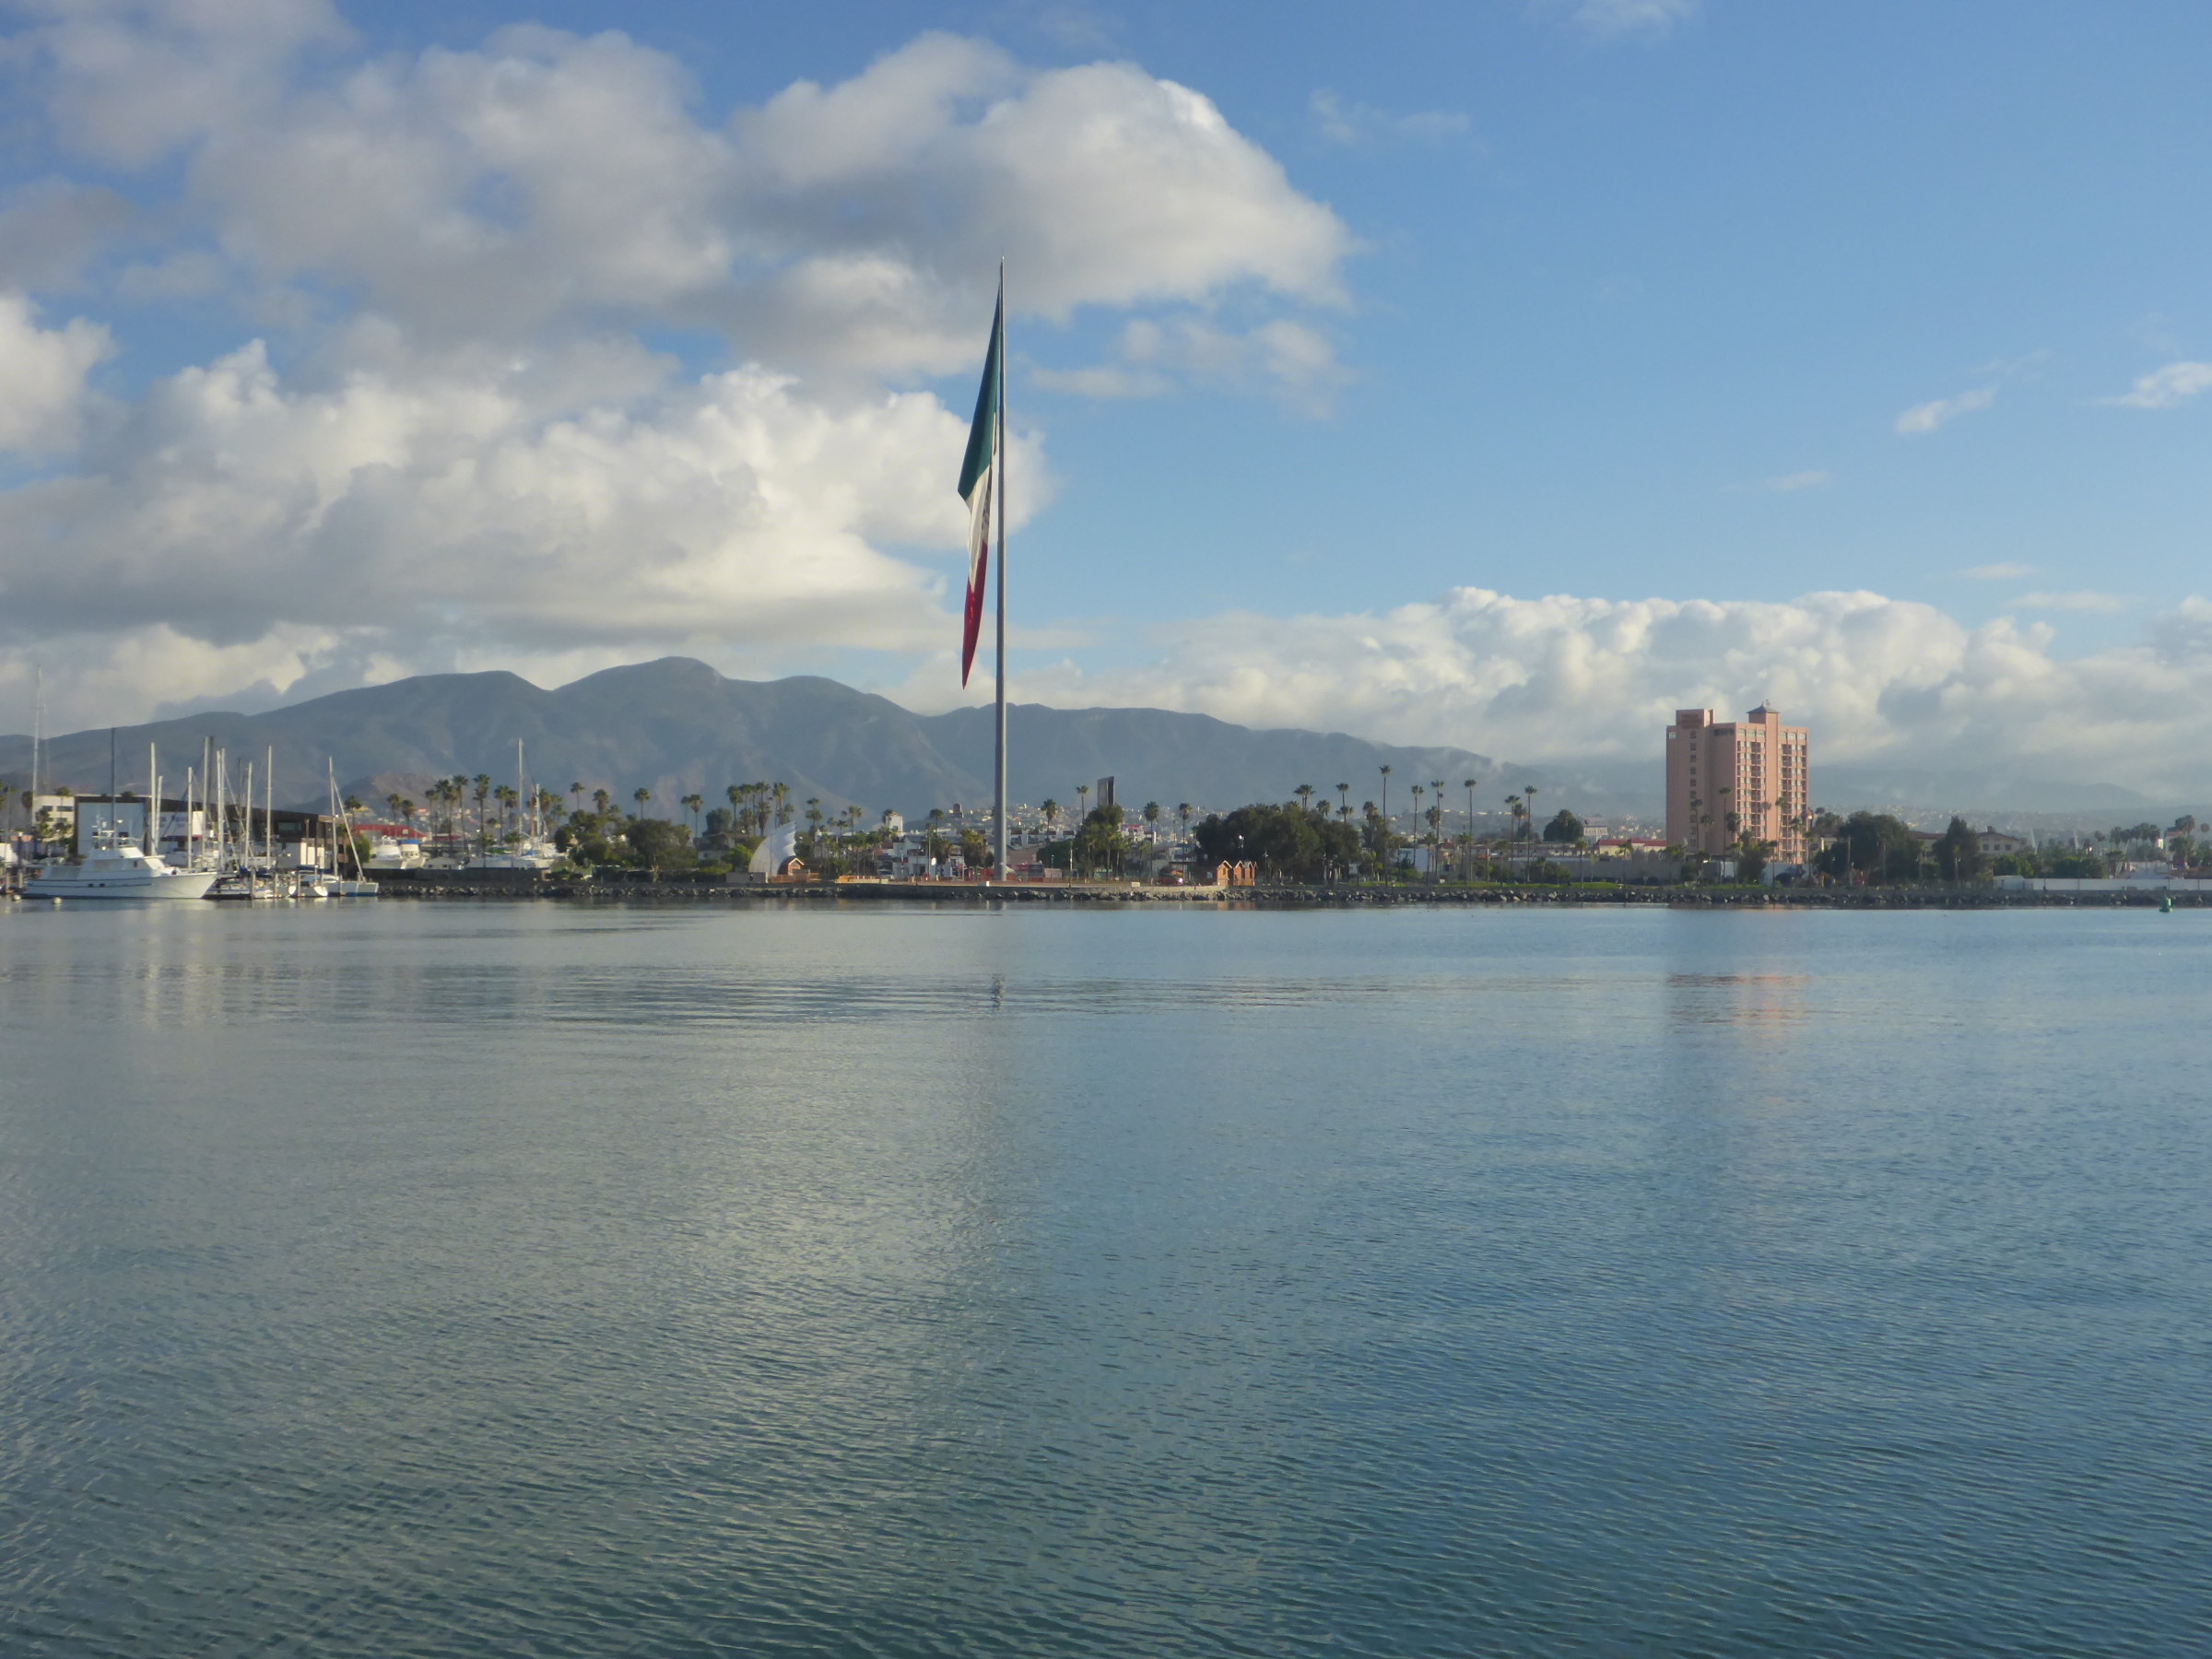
998,817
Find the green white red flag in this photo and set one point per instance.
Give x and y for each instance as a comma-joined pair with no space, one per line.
979,472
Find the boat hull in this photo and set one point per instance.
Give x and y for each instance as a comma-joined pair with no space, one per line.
184,884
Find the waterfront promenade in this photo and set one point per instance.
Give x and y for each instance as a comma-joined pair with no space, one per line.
477,885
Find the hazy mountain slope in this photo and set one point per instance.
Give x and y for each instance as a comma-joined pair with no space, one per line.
676,726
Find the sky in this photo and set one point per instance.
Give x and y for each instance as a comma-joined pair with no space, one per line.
1504,373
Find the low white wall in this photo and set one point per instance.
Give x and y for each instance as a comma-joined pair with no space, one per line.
2111,883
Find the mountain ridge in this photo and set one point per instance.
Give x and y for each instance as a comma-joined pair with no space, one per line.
677,726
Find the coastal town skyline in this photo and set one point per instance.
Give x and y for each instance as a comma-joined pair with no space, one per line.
1635,426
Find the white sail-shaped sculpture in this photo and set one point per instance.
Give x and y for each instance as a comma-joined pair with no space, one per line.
777,848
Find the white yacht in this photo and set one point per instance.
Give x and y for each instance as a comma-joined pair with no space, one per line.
523,855
394,855
116,871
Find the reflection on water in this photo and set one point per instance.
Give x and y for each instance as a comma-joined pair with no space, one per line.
455,1280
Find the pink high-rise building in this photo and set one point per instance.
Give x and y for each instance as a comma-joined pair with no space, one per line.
1724,780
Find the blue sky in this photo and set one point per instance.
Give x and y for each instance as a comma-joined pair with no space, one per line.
1634,306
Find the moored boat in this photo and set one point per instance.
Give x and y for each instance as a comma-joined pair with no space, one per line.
116,871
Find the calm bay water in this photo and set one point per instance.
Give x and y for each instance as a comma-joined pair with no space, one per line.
529,1279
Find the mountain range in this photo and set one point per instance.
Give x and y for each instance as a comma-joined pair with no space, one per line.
677,727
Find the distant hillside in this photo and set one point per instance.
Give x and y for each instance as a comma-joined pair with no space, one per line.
677,727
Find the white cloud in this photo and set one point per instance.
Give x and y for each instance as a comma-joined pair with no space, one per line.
2163,388
1104,380
447,508
2084,601
546,179
43,376
465,450
1613,19
1358,125
48,228
1998,572
1560,676
1925,418
127,81
1291,361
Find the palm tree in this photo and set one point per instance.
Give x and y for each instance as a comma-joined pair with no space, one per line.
736,796
1050,811
1386,795
1344,800
1529,790
1082,802
1467,863
779,794
1304,793
602,800
508,798
392,802
641,794
483,784
1183,811
692,802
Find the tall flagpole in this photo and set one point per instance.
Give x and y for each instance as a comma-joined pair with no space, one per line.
998,816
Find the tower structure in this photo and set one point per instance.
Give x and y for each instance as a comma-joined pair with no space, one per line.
1728,779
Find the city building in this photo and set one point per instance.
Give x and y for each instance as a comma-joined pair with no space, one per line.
1726,779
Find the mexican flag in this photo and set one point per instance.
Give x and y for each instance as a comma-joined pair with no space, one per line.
979,472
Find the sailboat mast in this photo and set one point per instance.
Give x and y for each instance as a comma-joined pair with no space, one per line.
998,813
38,735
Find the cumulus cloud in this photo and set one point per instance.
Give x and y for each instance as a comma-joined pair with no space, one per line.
231,507
547,177
2163,388
43,376
50,227
1562,677
1998,572
1923,418
458,445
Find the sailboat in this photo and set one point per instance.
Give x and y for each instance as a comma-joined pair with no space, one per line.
530,850
335,885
